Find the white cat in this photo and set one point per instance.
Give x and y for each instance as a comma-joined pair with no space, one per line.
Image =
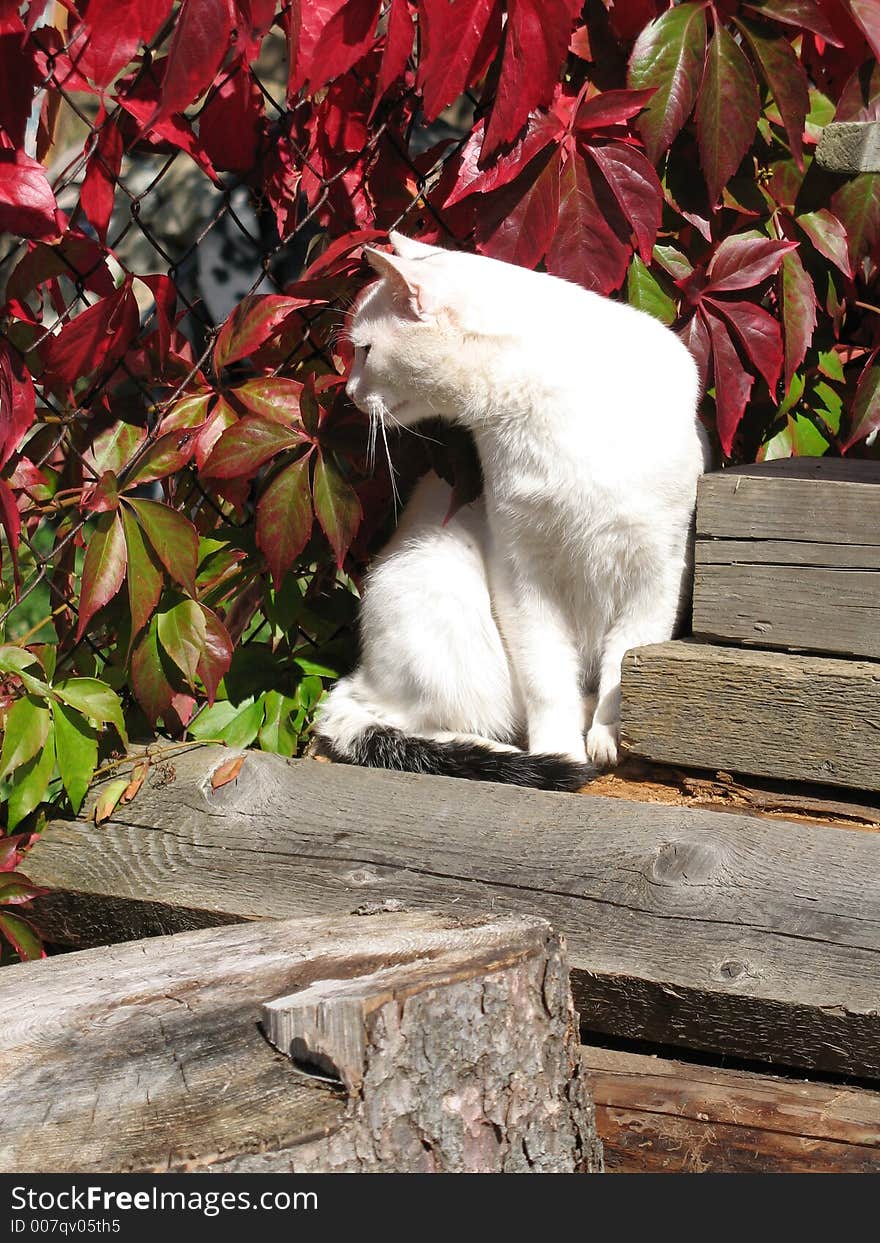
506,627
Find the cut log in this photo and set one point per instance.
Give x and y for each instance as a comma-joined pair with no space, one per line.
684,927
655,1115
771,714
148,1056
788,556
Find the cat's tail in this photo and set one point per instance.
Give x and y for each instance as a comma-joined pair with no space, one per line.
350,731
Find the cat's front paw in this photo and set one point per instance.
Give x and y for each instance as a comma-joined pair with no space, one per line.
602,746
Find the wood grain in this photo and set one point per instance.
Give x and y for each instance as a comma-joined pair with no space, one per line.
148,1056
656,1115
684,927
771,714
819,500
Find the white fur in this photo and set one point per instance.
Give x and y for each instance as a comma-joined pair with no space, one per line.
500,623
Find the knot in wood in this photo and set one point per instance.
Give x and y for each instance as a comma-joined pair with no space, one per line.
691,862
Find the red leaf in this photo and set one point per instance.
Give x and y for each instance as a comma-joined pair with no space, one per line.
10,521
805,14
398,46
99,184
828,236
727,111
216,655
797,299
19,76
144,574
231,122
668,55
695,335
198,47
227,772
785,76
867,14
733,384
338,256
17,401
27,204
637,189
544,128
248,445
585,248
273,397
337,507
857,206
103,570
223,416
169,454
523,215
453,34
104,496
334,35
111,34
99,334
611,108
743,260
284,518
535,45
759,335
164,292
865,416
256,319
12,851
173,538
148,678
16,889
176,131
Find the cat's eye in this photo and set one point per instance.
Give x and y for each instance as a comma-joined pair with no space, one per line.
363,350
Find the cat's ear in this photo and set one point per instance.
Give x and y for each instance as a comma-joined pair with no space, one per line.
409,248
407,284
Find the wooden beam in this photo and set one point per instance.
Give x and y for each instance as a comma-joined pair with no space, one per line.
684,927
771,714
850,147
148,1056
789,594
655,1115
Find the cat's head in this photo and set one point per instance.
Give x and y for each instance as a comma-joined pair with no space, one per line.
414,330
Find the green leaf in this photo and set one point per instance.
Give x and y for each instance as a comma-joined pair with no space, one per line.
645,292
30,783
248,445
169,454
13,658
337,507
144,573
16,889
669,55
727,111
27,724
277,733
284,518
174,540
318,668
182,633
235,724
108,798
785,76
114,448
189,411
830,365
94,699
76,744
672,261
21,936
857,206
103,569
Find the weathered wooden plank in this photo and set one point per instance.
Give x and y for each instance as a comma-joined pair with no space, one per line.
820,500
684,927
850,147
662,1116
771,714
772,604
148,1056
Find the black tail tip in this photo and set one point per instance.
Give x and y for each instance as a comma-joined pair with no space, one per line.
379,747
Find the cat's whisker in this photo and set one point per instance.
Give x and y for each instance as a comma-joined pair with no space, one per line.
392,473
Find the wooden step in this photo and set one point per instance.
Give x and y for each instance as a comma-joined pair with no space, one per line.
769,714
788,556
684,927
